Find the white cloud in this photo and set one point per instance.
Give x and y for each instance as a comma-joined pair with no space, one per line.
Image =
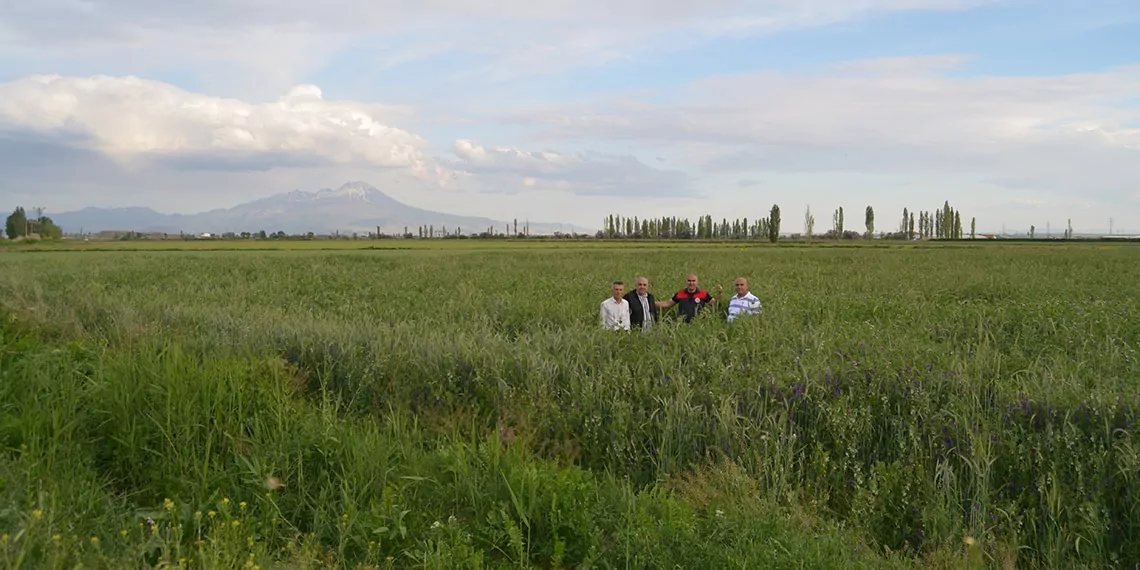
126,118
267,45
893,116
119,127
505,168
902,66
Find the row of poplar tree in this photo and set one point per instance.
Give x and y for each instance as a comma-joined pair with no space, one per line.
616,226
944,223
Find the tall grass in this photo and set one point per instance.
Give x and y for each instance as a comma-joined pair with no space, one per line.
962,406
153,456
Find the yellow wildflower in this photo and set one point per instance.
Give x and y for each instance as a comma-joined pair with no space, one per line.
37,514
168,504
95,540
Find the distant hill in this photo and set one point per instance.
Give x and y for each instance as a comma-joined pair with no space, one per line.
354,207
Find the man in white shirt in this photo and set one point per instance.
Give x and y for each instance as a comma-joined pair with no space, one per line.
614,313
743,302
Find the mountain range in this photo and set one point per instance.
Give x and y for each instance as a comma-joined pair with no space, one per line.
354,207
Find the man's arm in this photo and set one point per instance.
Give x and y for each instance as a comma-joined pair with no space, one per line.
602,314
667,304
625,316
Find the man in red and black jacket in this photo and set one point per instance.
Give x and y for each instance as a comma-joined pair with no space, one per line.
690,300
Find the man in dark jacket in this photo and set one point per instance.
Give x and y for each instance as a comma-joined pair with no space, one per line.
642,305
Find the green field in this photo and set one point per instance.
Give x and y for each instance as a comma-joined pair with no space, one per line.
456,405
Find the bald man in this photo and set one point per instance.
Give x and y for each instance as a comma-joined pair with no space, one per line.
690,300
743,302
642,305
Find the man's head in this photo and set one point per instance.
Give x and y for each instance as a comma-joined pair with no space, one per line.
741,286
642,285
618,289
691,282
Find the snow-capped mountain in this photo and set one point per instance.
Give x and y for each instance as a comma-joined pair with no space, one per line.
353,207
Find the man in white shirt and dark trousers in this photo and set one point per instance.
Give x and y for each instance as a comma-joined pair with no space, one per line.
614,312
743,302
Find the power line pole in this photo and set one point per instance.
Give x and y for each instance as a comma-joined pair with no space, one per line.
1110,226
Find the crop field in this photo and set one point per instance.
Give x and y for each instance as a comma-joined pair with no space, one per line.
892,407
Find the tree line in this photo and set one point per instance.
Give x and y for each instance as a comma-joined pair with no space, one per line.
621,227
943,223
19,225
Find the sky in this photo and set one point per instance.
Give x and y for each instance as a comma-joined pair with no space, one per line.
1017,112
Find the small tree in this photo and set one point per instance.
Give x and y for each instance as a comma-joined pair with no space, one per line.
774,224
973,227
870,222
1032,232
809,223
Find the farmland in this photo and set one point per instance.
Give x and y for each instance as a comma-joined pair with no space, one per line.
457,406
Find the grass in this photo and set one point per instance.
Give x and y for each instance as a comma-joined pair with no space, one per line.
942,406
498,244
